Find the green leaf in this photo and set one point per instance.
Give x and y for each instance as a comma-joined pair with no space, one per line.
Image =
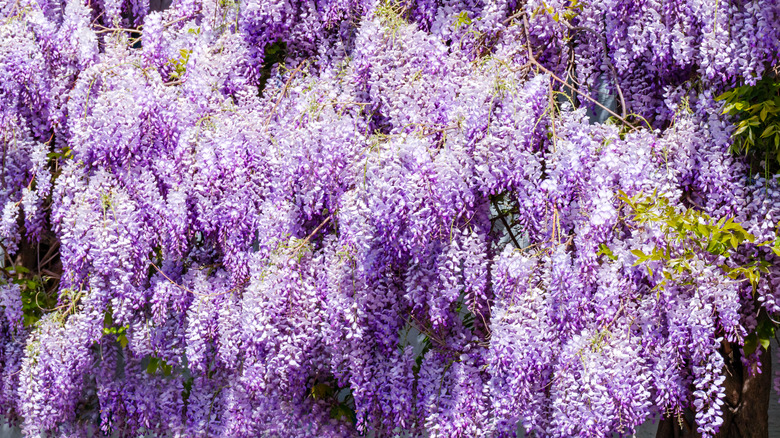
604,250
715,247
641,257
320,391
341,411
750,345
657,254
725,95
19,269
152,367
122,339
462,20
765,331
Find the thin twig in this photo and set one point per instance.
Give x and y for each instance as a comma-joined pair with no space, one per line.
284,91
103,29
603,41
310,236
506,224
688,198
170,23
515,15
533,60
173,282
614,318
6,254
98,17
612,68
5,147
51,274
552,118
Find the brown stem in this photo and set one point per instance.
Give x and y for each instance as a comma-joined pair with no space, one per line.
552,117
173,282
506,225
606,58
51,253
284,90
532,60
310,236
5,148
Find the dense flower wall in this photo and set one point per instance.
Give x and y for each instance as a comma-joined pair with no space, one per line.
245,247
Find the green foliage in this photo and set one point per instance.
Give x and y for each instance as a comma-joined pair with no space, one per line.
762,336
604,250
110,329
570,11
343,410
393,14
698,231
273,54
67,153
226,17
158,364
180,64
35,299
462,20
716,237
699,235
342,403
757,112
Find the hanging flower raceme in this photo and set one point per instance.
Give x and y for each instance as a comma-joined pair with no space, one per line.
339,218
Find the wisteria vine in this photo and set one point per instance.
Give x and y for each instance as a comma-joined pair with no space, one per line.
333,218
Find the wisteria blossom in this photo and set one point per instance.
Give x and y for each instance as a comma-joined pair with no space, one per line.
345,217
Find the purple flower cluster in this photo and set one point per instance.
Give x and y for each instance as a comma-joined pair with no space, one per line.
316,247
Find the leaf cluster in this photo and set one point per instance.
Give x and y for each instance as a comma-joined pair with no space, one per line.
36,300
394,15
692,236
762,335
110,329
757,112
179,65
572,9
342,403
